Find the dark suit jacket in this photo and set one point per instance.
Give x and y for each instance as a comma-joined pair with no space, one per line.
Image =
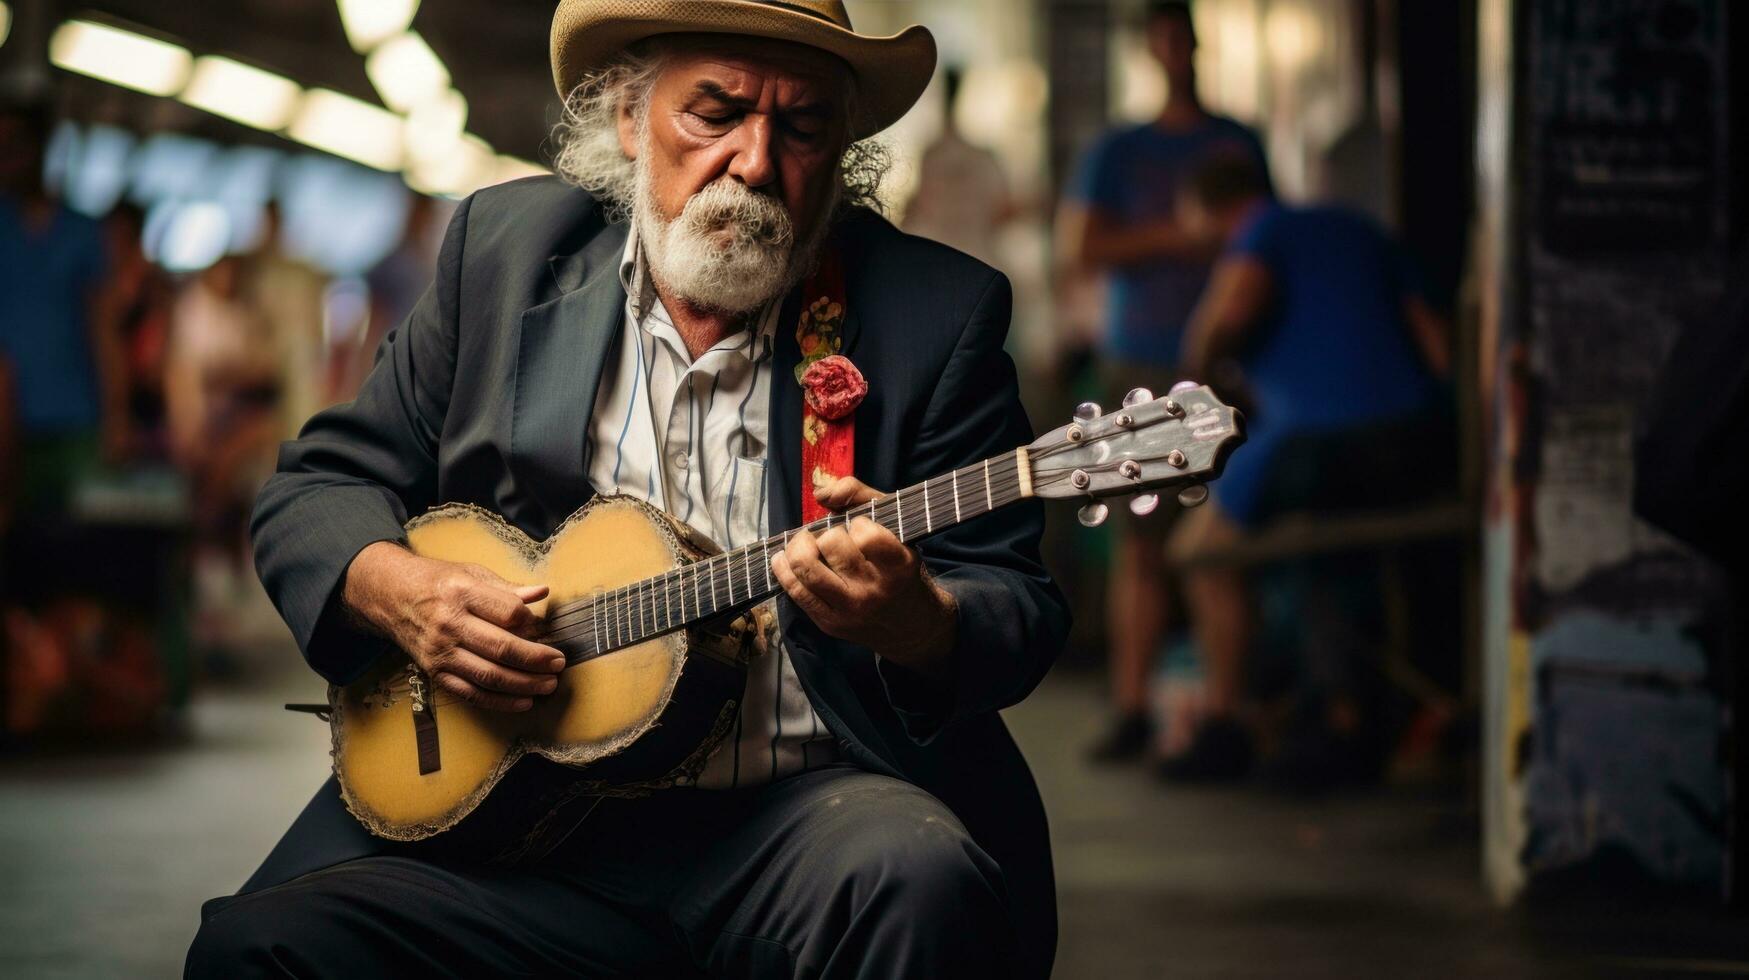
483,396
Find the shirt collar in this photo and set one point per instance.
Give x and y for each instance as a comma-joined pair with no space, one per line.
644,306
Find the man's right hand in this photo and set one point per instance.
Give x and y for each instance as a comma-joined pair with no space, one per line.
464,626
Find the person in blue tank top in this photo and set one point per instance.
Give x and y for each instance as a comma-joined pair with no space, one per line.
1121,221
1318,318
57,331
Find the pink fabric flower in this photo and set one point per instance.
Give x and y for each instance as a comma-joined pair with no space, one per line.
833,387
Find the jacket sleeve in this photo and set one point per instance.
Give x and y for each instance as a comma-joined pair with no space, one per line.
1012,618
356,472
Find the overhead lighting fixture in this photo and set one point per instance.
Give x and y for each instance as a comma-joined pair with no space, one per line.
406,72
5,22
242,93
369,23
468,167
121,57
346,127
435,125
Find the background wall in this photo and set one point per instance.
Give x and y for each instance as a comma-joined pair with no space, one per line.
1608,676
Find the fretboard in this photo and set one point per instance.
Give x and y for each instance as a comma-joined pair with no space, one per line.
738,580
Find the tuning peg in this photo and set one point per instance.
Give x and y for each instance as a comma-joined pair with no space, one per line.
1144,504
1136,397
1093,514
1088,411
1194,495
1184,386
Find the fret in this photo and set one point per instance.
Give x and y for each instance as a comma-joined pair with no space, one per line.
656,606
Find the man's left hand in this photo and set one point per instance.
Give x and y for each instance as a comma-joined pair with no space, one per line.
863,585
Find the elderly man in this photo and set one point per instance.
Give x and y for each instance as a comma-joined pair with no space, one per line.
630,328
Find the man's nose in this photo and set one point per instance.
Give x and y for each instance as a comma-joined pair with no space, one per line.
753,164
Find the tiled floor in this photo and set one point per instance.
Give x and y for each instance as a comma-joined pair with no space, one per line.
106,857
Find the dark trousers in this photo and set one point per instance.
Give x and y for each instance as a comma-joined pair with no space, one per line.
832,873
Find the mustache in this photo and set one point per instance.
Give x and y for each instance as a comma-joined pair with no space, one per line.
755,218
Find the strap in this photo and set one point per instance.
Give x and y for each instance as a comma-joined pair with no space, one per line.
828,445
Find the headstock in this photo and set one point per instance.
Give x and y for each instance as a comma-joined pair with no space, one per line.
1179,441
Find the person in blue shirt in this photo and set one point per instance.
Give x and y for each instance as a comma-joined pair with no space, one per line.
64,350
1317,315
1121,221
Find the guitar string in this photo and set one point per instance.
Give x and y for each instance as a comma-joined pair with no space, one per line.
654,620
720,566
639,602
655,616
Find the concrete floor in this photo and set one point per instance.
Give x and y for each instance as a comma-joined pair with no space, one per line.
107,856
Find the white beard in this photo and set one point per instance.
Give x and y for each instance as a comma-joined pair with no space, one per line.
731,250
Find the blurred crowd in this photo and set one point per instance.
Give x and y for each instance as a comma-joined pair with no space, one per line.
1266,631
139,412
1300,625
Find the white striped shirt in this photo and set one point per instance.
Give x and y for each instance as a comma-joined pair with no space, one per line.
689,437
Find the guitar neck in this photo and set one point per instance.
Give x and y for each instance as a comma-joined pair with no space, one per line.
737,580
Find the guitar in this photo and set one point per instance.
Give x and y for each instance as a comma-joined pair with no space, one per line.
655,623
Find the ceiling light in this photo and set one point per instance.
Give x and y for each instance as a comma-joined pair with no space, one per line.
242,93
469,166
127,59
370,22
434,126
406,72
346,127
5,22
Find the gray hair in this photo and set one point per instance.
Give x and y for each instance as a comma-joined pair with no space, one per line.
589,153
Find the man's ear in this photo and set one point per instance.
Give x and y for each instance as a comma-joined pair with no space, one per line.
628,131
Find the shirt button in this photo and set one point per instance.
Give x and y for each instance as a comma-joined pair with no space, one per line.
681,461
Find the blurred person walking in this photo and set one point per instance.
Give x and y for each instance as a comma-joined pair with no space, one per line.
222,395
962,197
56,325
1321,318
1121,220
143,296
288,295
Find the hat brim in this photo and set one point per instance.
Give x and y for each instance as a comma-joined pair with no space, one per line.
891,72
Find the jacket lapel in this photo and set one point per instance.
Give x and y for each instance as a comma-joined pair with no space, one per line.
562,351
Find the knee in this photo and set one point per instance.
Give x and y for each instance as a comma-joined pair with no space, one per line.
283,931
237,937
927,865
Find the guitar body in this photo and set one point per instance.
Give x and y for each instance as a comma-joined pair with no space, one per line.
413,761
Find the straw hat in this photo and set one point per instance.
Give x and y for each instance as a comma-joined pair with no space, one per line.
892,72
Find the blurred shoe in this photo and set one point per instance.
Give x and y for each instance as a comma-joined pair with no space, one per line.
1126,739
1221,752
